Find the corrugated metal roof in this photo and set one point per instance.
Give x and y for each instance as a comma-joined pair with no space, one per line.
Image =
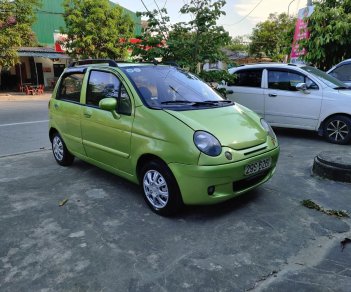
50,20
41,52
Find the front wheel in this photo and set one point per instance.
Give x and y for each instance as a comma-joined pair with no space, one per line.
161,191
337,129
60,151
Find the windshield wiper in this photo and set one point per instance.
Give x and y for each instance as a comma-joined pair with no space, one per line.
218,101
176,101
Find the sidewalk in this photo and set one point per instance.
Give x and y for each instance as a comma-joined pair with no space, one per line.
20,96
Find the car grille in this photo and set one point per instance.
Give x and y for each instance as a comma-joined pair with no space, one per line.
249,181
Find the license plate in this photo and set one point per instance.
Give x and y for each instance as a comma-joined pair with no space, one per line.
258,166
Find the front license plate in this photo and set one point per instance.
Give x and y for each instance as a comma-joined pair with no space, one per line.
258,166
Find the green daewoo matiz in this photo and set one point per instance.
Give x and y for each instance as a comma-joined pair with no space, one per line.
160,127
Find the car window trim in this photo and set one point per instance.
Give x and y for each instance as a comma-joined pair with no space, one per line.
249,69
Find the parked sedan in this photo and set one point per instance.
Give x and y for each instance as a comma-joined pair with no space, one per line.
342,71
295,96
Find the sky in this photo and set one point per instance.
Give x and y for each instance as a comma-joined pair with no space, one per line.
238,19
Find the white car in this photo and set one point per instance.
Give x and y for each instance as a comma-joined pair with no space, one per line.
295,96
342,71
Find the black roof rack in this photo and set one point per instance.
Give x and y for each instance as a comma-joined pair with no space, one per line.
110,62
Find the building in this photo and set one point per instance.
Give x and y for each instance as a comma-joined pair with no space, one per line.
44,64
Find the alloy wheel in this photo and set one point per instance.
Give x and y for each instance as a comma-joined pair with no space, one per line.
156,189
337,130
57,147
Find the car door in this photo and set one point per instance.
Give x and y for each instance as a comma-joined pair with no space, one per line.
286,106
247,90
107,135
66,110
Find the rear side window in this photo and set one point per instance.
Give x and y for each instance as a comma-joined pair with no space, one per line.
70,87
248,78
342,73
287,80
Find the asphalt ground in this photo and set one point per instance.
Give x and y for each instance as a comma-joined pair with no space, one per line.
104,238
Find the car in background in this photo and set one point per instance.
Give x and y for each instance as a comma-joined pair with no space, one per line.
342,71
294,96
162,128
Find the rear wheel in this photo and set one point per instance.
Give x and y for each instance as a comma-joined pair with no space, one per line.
60,151
337,129
161,191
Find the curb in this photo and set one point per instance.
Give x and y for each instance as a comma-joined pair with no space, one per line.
26,152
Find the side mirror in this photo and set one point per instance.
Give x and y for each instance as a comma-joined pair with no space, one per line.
301,86
109,104
229,91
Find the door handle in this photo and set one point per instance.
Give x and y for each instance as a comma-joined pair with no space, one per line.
272,94
87,115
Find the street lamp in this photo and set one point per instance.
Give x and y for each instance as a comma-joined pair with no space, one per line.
289,6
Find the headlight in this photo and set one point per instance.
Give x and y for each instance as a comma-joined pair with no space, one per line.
207,143
269,129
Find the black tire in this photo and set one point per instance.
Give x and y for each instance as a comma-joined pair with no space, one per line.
60,151
337,129
160,188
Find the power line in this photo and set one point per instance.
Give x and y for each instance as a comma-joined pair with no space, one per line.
247,15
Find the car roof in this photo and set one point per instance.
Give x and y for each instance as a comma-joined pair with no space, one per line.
268,65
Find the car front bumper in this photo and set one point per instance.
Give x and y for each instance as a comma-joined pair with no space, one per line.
228,179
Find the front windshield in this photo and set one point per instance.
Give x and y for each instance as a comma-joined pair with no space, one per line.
325,78
166,86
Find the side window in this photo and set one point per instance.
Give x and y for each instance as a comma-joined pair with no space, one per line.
343,72
70,87
105,84
124,104
287,80
101,85
248,78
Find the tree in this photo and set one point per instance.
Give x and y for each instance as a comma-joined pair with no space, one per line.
238,44
187,43
273,37
96,29
330,33
16,18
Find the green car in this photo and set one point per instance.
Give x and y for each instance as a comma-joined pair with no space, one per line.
160,127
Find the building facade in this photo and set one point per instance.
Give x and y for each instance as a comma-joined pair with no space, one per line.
44,64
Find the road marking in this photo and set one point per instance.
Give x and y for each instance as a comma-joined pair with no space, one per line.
23,123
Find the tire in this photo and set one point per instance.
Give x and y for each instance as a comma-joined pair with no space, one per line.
337,129
160,189
59,149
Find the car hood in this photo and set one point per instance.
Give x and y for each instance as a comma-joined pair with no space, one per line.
231,125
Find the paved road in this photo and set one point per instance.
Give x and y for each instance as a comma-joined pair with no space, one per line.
23,126
106,239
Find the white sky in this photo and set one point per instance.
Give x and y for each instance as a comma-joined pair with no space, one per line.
235,10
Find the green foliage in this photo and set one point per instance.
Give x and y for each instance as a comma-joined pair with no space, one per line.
330,33
238,44
312,205
273,38
96,29
188,43
16,18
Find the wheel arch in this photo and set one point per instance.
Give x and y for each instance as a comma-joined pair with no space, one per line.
321,126
52,131
145,158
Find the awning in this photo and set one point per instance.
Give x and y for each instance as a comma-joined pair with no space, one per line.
49,55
